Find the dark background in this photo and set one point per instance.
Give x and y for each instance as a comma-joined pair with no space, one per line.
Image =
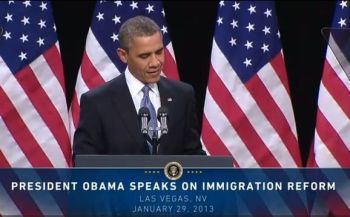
191,25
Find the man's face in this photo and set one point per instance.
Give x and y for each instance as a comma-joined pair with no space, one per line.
145,57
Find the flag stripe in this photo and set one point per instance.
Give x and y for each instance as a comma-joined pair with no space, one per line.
331,142
240,122
3,161
276,118
30,119
326,159
332,60
329,136
11,150
170,65
90,75
273,80
55,65
222,127
339,121
81,87
99,59
170,50
334,82
213,142
46,110
280,69
51,86
75,110
25,139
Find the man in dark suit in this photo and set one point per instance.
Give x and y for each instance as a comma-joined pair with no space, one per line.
109,122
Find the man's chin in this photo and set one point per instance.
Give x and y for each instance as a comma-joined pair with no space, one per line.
153,79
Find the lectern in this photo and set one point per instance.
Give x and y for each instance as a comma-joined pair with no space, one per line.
142,161
150,185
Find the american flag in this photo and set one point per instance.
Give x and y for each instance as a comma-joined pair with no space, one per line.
332,133
331,145
34,116
248,112
100,61
34,126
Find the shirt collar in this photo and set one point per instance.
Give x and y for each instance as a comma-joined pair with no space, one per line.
135,86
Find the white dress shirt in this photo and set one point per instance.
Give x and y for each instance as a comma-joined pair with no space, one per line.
135,87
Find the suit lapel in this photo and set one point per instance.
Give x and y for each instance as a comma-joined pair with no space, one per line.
166,96
125,107
167,100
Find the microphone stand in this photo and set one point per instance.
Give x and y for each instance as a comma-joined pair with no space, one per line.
154,141
146,130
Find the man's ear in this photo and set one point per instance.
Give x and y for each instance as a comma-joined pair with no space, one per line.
123,55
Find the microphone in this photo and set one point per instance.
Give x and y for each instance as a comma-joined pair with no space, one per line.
144,115
163,119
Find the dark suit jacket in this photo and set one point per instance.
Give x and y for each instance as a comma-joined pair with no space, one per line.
109,123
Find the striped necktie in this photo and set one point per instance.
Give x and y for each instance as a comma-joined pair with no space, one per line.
146,102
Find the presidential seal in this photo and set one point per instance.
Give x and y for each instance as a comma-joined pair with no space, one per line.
173,170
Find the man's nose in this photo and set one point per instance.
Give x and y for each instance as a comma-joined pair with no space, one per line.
155,61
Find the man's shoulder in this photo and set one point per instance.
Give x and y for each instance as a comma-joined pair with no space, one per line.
177,85
104,89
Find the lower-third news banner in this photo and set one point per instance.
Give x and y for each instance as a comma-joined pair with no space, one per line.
175,191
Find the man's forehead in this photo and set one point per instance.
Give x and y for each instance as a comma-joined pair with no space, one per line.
146,42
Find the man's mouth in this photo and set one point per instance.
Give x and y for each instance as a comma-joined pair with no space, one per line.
153,72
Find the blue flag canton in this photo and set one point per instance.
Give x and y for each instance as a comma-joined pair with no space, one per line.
247,34
110,15
28,31
342,15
